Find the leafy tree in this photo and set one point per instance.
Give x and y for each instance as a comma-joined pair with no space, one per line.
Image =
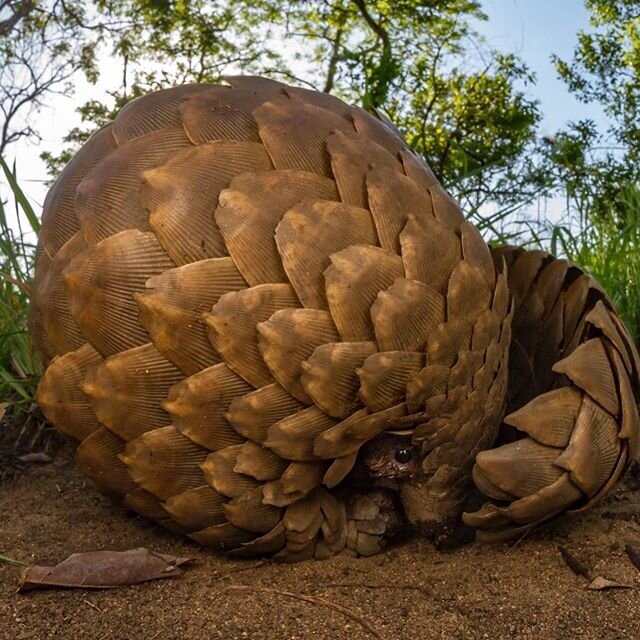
461,105
41,51
595,164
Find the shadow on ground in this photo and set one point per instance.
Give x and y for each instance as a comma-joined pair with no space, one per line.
412,591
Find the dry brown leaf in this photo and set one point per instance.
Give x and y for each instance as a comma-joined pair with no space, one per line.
599,584
3,409
103,570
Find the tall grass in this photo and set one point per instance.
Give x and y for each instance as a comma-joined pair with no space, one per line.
608,247
20,367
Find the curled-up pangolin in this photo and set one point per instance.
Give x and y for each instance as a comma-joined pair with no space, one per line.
270,328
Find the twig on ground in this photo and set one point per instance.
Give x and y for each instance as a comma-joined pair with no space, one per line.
392,587
311,600
240,569
95,606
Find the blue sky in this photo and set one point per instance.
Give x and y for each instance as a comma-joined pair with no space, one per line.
533,29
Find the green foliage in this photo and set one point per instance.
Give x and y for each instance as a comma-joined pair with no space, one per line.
594,164
607,246
413,59
19,364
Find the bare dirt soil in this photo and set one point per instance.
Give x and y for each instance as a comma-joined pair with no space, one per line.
523,590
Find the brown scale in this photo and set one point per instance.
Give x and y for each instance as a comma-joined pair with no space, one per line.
309,233
100,284
60,395
108,198
197,406
288,338
352,157
59,216
50,297
250,209
232,327
180,211
164,462
126,390
256,302
171,308
353,281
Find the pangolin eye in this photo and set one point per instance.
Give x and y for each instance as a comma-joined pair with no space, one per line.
403,455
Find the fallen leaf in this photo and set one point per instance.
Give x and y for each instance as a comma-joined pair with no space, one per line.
3,409
39,456
599,584
103,570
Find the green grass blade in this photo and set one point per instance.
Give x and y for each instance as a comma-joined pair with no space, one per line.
20,197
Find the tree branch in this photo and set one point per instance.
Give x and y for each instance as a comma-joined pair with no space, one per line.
22,10
333,61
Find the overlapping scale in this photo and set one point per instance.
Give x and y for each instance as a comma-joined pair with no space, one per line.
384,378
352,156
252,414
418,170
50,296
630,421
589,368
250,512
330,375
220,113
61,398
172,304
294,134
297,481
294,437
108,197
468,294
422,239
98,456
352,283
250,209
309,233
405,314
392,199
383,134
182,194
259,462
100,284
232,327
198,508
197,406
520,468
601,318
288,338
126,390
550,417
220,472
593,449
164,462
59,217
153,112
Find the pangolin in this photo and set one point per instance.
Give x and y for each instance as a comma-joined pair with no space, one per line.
271,329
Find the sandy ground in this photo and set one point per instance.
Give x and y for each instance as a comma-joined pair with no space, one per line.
412,591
